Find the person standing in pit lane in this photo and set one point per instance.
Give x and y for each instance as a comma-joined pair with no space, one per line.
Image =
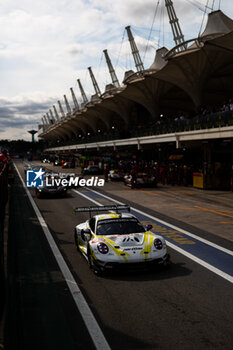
163,174
106,171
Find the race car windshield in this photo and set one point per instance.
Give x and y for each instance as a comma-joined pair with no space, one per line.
119,227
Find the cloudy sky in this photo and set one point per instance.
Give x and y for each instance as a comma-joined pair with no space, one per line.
45,45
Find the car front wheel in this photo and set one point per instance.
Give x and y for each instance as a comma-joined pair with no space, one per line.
76,240
92,265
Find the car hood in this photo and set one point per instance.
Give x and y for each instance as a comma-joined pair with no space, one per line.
130,240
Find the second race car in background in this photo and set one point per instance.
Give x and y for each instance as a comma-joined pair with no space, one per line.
57,162
51,189
140,180
46,160
115,175
92,170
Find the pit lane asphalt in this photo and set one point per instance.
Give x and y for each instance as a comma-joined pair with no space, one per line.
186,307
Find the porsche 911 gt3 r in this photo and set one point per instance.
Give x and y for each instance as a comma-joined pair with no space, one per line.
115,175
140,180
118,240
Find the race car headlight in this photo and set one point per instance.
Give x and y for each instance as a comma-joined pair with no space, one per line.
103,248
158,244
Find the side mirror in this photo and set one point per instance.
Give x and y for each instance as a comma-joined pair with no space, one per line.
149,227
86,234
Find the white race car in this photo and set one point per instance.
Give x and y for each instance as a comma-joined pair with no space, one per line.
115,175
111,241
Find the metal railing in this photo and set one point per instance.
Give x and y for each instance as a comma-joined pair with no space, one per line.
216,120
200,122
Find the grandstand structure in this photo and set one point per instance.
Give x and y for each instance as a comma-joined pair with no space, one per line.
138,112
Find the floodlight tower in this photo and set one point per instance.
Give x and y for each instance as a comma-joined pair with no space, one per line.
134,49
45,122
94,82
49,120
74,99
85,100
32,132
61,109
52,116
111,70
174,22
67,105
55,111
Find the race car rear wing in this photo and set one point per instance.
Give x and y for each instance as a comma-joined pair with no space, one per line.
115,207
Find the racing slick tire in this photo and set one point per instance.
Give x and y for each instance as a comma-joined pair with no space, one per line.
167,263
76,240
91,264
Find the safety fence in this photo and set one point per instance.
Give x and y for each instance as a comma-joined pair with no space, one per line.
200,122
3,201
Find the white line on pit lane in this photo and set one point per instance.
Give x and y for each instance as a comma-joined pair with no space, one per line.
92,326
173,246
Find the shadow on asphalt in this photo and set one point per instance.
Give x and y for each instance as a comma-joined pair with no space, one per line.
159,273
123,341
54,197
